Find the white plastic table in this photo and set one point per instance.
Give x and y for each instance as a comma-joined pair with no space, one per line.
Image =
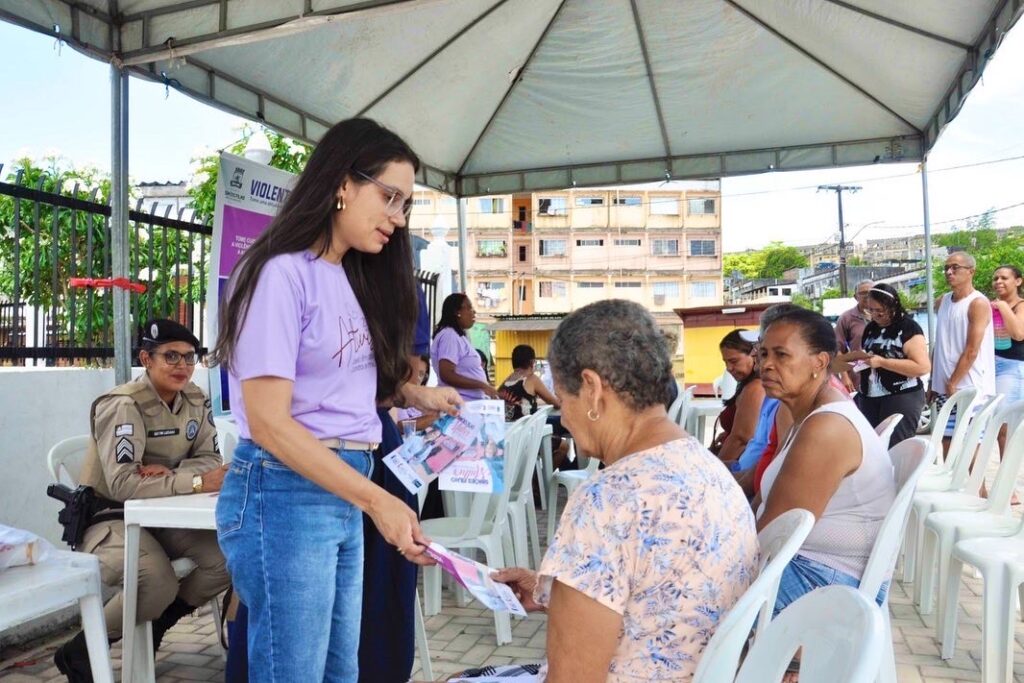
59,581
195,511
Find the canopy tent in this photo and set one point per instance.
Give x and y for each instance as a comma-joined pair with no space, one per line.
502,96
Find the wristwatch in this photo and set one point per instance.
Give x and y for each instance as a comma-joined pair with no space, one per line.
197,483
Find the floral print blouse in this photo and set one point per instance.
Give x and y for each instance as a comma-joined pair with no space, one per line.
666,538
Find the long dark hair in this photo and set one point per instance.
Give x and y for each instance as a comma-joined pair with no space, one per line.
383,283
887,296
450,313
736,342
1016,273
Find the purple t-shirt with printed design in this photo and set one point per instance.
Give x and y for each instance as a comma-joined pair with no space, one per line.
451,346
305,325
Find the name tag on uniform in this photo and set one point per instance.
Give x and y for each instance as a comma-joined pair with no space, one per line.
162,432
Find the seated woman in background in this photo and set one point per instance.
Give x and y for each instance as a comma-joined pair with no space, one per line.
832,462
896,356
521,388
740,414
456,362
654,547
420,373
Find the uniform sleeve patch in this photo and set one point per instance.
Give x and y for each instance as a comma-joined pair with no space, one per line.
124,451
127,429
191,429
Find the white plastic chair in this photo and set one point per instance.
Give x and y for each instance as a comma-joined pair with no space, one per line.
485,528
1001,563
933,485
64,578
909,459
965,499
778,542
684,412
887,426
571,480
521,510
962,400
227,436
65,459
676,409
839,631
946,529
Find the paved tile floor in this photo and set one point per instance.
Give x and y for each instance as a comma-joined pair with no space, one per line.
461,637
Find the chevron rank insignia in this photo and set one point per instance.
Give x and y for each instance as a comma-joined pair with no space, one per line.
124,451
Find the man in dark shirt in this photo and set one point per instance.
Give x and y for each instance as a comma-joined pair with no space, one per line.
850,329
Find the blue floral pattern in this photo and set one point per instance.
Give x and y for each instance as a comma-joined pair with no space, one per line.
665,538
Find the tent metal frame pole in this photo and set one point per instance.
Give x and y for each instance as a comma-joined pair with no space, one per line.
463,242
119,249
929,276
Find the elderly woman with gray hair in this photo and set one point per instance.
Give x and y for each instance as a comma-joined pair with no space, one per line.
653,548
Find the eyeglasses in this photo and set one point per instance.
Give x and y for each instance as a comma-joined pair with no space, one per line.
173,357
954,267
397,203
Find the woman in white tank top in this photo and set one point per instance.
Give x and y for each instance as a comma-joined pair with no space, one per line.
831,463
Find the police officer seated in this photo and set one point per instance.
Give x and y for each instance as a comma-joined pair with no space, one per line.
151,437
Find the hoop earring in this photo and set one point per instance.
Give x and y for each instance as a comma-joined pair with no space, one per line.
592,415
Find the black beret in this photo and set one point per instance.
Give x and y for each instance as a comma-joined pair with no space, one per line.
161,331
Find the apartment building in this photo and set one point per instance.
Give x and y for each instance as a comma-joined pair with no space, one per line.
555,251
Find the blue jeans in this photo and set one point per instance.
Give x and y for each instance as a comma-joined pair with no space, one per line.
295,553
802,575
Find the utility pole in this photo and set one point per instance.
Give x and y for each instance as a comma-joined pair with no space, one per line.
839,189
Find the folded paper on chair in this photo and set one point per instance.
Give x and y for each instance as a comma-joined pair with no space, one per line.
476,578
466,452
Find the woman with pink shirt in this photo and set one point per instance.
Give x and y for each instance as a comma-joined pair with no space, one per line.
315,330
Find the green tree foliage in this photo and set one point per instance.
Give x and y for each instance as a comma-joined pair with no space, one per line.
979,239
771,262
289,155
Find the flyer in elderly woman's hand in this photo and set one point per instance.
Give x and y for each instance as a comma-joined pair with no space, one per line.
465,451
476,578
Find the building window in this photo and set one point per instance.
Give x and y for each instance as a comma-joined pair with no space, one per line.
627,201
665,247
589,201
552,206
522,252
702,247
453,243
421,201
702,290
700,207
552,247
627,243
666,289
590,285
492,205
491,248
522,292
589,243
628,285
553,290
664,206
490,295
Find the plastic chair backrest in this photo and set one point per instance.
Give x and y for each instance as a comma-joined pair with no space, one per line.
1006,476
66,458
887,426
228,436
676,409
839,630
909,460
779,542
961,400
684,413
959,460
493,507
524,476
1008,415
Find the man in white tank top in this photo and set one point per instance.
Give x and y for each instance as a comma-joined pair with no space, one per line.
963,351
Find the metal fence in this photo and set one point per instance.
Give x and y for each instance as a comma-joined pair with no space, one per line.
51,233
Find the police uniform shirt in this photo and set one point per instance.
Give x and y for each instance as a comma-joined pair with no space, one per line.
132,426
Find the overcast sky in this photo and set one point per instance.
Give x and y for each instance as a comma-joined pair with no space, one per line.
57,101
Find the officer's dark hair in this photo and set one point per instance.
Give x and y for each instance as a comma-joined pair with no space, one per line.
522,356
383,283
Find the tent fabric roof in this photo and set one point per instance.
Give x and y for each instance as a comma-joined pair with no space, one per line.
501,96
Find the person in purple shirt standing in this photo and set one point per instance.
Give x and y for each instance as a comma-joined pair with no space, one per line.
315,330
455,361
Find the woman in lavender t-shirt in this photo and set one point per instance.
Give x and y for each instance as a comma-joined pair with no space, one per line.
315,330
455,361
